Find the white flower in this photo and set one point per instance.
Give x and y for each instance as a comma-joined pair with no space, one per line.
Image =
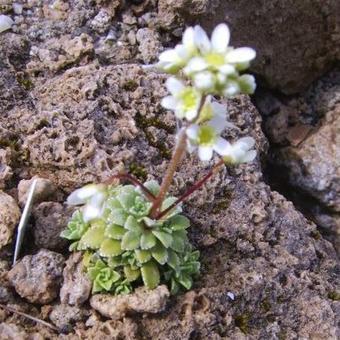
216,63
5,23
239,152
206,137
184,100
173,60
93,197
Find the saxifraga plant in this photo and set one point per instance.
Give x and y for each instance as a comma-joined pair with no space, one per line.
135,234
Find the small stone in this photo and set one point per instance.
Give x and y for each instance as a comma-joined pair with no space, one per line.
9,218
11,331
37,278
149,44
44,190
65,317
17,8
77,286
141,301
51,219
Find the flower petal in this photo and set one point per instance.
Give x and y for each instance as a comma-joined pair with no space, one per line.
182,53
249,156
232,88
246,143
220,38
201,39
221,145
188,39
196,64
174,85
80,196
169,102
5,23
219,109
204,80
169,56
191,114
241,55
91,212
192,131
205,153
227,69
218,123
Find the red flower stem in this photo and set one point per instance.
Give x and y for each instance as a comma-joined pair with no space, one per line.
176,158
149,195
192,189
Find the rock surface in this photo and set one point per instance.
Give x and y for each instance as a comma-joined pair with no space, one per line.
280,31
51,219
65,317
76,286
44,191
305,130
79,108
37,278
141,300
9,218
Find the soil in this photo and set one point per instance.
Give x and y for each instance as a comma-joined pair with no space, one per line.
78,106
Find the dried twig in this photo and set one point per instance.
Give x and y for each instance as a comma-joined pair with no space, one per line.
13,310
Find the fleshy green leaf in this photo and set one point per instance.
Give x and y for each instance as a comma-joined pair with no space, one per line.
118,216
152,186
173,260
115,231
160,254
174,287
148,240
131,274
76,227
94,237
167,203
143,255
185,281
179,222
131,240
127,199
132,224
178,241
164,237
150,275
110,248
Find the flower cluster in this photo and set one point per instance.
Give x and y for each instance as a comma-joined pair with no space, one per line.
124,245
212,67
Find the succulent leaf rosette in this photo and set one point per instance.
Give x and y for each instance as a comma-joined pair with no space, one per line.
136,234
124,246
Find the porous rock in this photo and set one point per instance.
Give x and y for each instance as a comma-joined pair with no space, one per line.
50,219
112,329
37,278
9,218
305,130
280,32
65,317
141,300
76,286
44,190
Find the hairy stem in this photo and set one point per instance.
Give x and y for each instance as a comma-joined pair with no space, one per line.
192,189
149,195
176,158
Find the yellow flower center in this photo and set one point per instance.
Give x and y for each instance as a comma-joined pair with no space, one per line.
206,135
215,59
189,98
